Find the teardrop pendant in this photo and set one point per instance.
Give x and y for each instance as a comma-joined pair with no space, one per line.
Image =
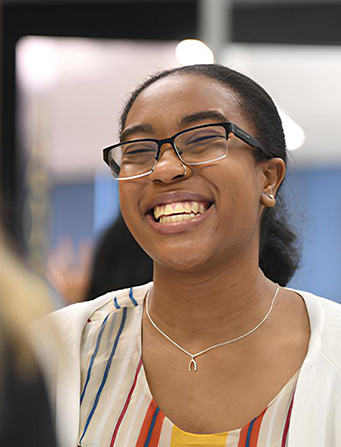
194,363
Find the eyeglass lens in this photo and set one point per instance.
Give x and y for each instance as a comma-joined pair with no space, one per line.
193,146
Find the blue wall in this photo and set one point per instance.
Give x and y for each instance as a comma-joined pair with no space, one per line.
314,200
72,212
83,210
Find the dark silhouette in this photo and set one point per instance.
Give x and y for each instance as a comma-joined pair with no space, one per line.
118,262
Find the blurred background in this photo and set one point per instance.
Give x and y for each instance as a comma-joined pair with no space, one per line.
68,67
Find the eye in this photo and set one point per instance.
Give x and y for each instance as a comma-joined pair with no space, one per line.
202,139
203,136
137,151
138,148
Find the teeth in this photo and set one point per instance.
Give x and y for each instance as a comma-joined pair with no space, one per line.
177,208
195,207
169,210
177,218
165,219
159,211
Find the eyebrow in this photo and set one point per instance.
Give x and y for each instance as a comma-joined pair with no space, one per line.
203,115
143,128
185,120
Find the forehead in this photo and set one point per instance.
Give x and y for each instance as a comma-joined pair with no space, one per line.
167,100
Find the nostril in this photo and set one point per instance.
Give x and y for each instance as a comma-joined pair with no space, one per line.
183,174
168,168
179,176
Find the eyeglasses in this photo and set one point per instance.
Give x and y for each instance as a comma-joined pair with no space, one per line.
195,146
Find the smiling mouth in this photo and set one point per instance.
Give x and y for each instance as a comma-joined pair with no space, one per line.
179,211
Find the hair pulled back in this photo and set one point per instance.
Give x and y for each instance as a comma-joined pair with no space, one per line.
279,253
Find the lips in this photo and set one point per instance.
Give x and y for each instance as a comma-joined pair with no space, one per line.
177,210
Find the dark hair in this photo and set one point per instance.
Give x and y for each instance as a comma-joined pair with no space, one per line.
279,253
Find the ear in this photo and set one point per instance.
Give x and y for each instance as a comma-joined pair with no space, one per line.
273,175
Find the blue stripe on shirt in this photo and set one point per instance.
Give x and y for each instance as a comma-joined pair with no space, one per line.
248,437
132,298
106,372
98,342
151,428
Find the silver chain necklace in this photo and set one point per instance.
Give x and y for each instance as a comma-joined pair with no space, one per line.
192,366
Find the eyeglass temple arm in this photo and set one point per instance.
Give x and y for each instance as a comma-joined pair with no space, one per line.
248,139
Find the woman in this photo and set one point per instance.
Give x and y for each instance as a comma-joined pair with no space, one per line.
213,352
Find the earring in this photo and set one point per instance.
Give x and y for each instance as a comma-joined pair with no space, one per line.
269,195
268,199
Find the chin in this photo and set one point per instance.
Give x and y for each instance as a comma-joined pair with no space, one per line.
183,261
181,253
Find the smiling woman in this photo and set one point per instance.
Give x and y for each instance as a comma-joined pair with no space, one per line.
216,351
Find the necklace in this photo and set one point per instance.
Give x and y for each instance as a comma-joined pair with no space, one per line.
192,366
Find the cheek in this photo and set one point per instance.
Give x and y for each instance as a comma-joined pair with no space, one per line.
122,192
249,204
130,194
129,207
239,191
129,202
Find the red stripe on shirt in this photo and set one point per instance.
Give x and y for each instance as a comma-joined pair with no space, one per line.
154,440
127,402
287,422
256,429
243,436
146,424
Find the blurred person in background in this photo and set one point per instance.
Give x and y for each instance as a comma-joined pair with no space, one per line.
116,262
69,270
25,414
216,350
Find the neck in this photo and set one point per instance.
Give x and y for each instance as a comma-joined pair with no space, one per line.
209,308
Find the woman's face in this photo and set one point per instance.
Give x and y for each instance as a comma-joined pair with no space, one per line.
227,192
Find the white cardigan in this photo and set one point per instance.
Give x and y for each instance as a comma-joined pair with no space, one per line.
316,413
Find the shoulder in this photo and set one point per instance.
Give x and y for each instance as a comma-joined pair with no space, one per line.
68,323
78,314
324,312
331,333
325,324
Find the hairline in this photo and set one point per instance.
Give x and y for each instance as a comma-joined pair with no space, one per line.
239,98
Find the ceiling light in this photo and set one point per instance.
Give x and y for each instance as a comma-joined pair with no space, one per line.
37,63
193,51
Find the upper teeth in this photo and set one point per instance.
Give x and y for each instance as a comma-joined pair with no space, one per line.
179,208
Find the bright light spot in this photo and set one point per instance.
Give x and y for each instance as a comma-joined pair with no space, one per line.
192,51
294,134
37,63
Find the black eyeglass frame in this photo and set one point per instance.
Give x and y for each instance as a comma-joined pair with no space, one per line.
228,126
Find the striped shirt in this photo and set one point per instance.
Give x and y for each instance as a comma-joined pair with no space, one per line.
117,407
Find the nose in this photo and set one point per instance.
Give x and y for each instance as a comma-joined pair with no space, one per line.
168,168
